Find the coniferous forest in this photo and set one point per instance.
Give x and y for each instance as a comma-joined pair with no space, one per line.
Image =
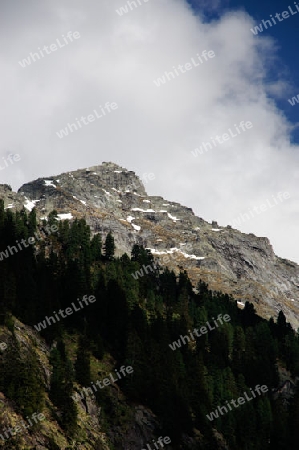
134,321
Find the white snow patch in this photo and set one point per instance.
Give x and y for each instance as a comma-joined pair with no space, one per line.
177,250
163,210
30,205
49,183
117,171
241,304
156,252
216,229
136,227
107,193
10,205
172,217
82,201
165,204
119,201
64,216
142,210
146,201
193,256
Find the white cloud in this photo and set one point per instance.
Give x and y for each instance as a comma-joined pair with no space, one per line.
154,129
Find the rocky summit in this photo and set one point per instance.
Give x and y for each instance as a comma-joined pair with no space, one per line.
113,198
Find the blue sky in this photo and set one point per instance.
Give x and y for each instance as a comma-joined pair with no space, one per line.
285,34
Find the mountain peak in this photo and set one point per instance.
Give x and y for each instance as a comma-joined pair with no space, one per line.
111,197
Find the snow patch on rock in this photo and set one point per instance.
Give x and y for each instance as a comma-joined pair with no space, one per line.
30,204
175,219
49,183
64,216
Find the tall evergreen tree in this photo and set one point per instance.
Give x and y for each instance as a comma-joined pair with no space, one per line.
109,246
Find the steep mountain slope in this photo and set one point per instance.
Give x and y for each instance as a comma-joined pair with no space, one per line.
139,423
112,198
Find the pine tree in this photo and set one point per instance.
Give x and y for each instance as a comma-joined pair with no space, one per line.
32,224
96,247
61,388
21,379
109,247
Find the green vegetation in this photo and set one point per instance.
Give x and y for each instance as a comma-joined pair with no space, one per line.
134,321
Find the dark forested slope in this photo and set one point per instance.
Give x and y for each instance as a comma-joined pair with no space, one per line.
191,351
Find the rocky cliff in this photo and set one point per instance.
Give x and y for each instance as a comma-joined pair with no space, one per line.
112,198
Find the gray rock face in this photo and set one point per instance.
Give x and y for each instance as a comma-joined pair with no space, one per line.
11,199
112,198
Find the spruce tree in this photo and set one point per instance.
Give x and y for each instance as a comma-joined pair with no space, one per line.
61,388
96,247
109,247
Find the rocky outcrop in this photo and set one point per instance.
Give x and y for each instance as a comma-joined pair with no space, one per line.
112,198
